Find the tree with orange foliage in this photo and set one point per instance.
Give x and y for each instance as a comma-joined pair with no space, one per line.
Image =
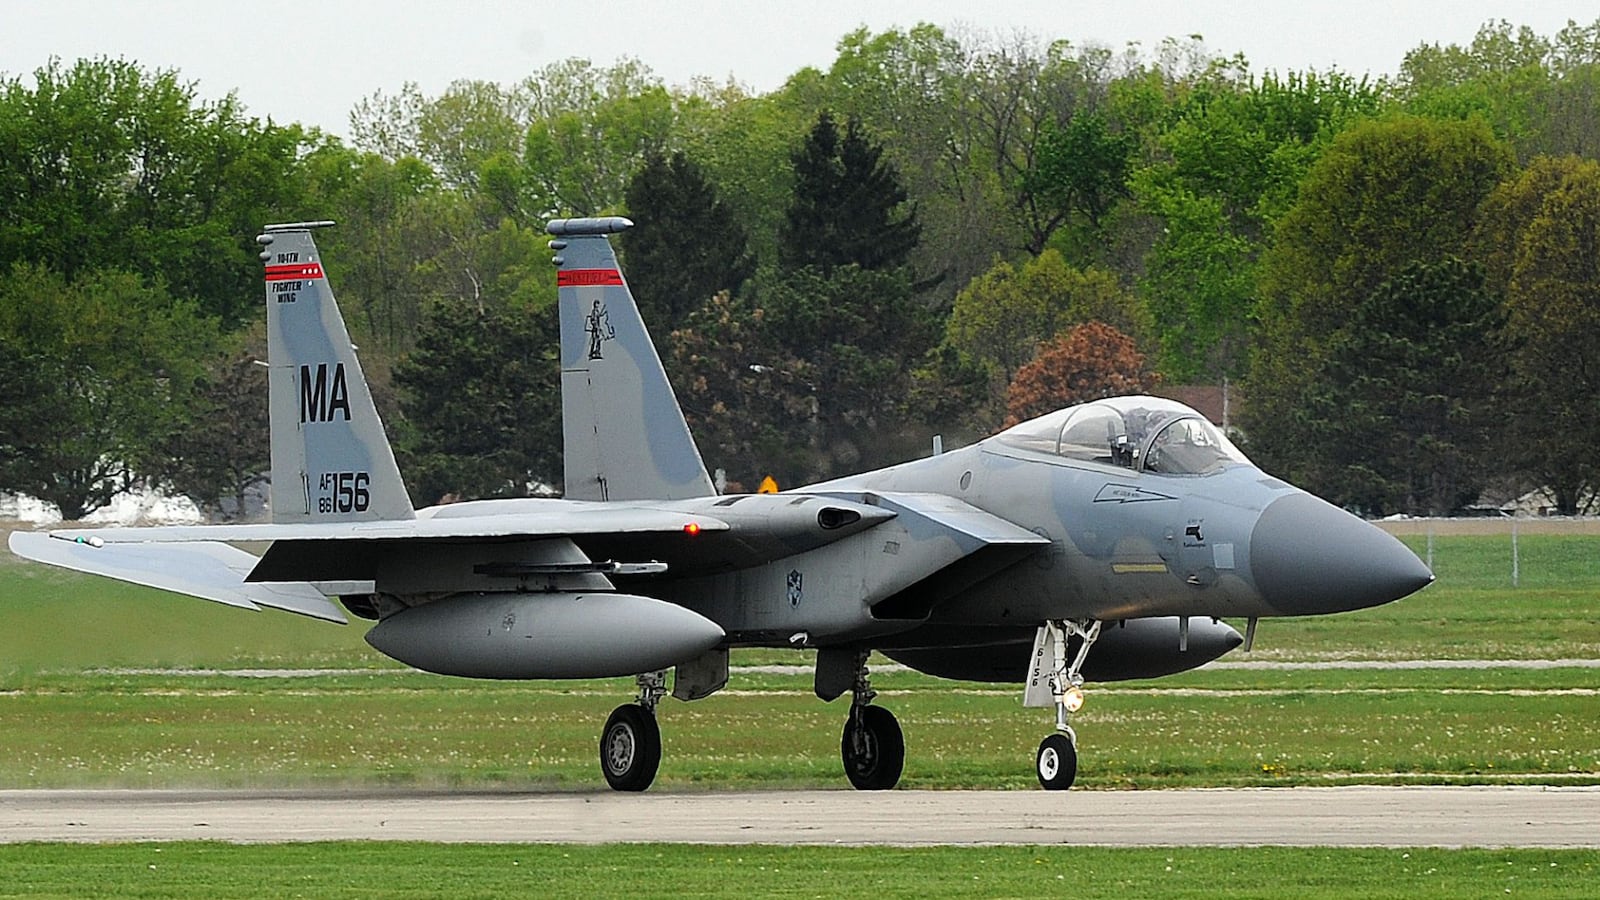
1085,362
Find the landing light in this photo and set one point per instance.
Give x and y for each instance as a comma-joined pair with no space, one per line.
1073,699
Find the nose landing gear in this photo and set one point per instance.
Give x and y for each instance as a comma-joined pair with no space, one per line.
1053,681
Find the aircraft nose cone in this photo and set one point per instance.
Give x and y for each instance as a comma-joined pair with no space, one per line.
1308,557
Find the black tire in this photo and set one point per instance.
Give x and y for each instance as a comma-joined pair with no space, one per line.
1056,763
630,748
873,748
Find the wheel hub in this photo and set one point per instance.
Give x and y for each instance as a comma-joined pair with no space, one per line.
619,749
1049,763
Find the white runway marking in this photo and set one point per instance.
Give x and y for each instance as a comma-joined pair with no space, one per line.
1301,817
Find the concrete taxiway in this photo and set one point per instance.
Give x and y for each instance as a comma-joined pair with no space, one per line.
1332,817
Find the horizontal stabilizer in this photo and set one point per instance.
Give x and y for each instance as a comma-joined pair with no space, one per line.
204,569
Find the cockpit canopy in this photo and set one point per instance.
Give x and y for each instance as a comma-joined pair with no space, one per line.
1147,434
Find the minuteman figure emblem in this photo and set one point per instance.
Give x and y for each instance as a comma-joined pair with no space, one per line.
598,327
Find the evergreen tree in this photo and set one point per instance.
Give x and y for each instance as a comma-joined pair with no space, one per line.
847,205
1402,421
221,452
481,401
684,247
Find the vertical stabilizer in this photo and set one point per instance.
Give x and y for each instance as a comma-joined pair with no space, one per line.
331,461
624,437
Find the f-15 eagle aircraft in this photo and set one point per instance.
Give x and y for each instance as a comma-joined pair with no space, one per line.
1104,541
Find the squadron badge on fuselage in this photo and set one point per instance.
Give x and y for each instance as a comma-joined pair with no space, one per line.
795,582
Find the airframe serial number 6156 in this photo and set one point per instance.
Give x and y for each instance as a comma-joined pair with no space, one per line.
1104,541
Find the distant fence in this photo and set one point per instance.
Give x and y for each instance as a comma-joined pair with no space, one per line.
1544,551
1402,527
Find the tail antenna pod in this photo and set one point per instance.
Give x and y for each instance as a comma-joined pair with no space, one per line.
601,225
265,238
297,226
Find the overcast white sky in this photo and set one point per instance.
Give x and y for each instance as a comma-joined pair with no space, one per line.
311,62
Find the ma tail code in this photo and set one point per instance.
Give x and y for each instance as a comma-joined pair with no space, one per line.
318,399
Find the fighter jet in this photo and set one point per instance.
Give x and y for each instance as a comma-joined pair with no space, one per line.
1104,541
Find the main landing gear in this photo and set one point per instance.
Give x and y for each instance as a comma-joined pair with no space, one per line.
630,744
873,748
1056,763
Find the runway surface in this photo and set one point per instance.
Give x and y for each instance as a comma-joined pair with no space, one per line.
1333,817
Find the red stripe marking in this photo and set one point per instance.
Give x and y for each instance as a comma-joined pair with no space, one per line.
294,271
586,277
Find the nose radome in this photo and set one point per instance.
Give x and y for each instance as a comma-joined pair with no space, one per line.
1307,556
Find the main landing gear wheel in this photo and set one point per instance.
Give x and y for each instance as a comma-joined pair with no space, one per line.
630,748
1057,762
873,748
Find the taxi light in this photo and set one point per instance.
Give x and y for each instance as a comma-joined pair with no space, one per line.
1073,698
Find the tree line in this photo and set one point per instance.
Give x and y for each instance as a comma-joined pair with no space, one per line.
939,233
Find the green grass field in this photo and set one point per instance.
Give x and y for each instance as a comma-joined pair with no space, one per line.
72,715
69,717
392,870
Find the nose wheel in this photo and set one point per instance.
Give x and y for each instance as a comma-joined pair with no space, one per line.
1057,762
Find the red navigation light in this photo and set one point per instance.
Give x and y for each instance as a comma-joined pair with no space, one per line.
692,529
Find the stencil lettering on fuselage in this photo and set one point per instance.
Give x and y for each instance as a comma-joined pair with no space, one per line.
1127,493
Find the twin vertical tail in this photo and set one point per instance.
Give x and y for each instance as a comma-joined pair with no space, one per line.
624,435
331,461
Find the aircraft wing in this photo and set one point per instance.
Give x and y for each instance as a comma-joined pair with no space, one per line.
565,521
206,569
193,560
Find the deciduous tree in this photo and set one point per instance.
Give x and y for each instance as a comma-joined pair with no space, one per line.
220,452
104,164
1385,194
111,366
1086,362
1543,230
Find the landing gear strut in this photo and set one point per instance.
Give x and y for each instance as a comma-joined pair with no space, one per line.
873,747
630,744
1056,763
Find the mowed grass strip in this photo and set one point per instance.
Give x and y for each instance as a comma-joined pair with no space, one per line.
407,870
411,730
